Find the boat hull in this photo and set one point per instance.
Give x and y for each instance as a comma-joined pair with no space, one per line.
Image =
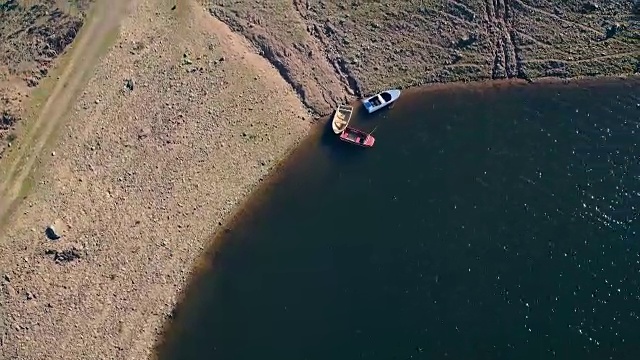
357,137
381,100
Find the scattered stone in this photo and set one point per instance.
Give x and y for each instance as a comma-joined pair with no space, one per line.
174,7
456,57
63,256
613,30
221,59
590,6
7,278
97,101
329,29
30,295
51,233
349,90
128,84
137,46
32,82
186,60
467,40
53,153
144,132
172,313
7,119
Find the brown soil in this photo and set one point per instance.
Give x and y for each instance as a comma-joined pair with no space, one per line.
32,35
376,45
176,126
178,122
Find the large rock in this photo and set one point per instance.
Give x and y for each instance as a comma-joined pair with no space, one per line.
52,233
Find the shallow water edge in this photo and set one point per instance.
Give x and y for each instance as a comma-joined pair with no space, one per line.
318,136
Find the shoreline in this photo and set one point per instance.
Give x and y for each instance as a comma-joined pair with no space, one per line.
131,186
346,52
262,191
441,123
262,188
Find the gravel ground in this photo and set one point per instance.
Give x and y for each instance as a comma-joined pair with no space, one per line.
32,36
138,180
183,117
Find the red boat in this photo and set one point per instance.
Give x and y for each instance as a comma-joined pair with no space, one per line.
357,137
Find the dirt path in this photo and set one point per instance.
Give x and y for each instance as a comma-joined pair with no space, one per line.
86,50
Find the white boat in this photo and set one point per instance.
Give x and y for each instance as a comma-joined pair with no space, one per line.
380,100
341,118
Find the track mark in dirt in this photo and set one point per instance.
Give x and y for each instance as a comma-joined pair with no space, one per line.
463,8
596,58
457,12
342,72
86,50
533,39
452,17
555,17
507,61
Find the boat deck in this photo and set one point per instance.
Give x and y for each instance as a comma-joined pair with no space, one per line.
357,137
341,118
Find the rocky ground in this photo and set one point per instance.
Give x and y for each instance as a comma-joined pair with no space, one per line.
372,45
32,35
183,117
175,127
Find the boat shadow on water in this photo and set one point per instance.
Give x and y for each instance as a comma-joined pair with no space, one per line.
337,148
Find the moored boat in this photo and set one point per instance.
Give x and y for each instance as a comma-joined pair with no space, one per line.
380,100
357,137
341,118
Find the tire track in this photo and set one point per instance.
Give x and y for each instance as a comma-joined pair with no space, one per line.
596,58
86,50
507,62
559,19
348,79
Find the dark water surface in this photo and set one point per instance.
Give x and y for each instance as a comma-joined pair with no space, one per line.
486,223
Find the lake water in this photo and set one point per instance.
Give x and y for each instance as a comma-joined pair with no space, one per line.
488,222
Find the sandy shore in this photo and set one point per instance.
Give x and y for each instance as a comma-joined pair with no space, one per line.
183,117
